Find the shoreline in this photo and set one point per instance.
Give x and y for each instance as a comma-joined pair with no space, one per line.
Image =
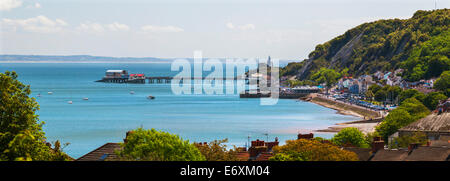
364,125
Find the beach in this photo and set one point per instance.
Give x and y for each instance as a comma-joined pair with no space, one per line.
369,119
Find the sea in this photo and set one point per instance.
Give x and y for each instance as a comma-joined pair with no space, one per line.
111,110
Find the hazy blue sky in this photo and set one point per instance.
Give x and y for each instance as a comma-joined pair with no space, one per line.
284,29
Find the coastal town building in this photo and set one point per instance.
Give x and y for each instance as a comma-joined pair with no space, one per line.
116,74
136,76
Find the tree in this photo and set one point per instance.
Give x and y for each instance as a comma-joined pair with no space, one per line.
21,135
409,111
294,83
394,121
415,108
406,140
381,95
217,151
443,82
152,145
327,76
375,88
350,136
370,95
393,92
409,93
311,150
432,99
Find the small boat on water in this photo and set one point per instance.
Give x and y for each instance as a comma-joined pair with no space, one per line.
39,95
85,98
131,92
150,97
69,102
49,93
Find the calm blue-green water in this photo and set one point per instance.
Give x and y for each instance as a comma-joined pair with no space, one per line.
111,110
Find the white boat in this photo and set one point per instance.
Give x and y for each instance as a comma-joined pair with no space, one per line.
39,95
69,102
50,93
131,92
85,98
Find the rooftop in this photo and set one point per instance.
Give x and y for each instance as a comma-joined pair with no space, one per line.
364,154
431,123
390,155
429,154
105,152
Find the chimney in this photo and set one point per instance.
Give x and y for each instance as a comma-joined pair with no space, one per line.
377,144
413,146
378,138
305,136
128,133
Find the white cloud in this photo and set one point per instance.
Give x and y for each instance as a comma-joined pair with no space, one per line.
241,27
91,27
118,27
151,28
37,5
100,28
6,5
39,24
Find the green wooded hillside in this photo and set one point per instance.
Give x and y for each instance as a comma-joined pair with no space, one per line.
420,45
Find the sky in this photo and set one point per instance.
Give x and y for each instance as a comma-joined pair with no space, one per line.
283,29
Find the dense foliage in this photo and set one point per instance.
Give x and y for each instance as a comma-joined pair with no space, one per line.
311,150
217,151
429,59
409,111
419,45
443,83
326,76
404,141
385,93
395,94
21,135
350,136
153,145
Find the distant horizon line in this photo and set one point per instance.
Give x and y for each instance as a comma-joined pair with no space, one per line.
125,57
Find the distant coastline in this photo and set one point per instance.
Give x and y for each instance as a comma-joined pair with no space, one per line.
6,58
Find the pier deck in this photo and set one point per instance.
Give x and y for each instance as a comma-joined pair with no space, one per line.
159,79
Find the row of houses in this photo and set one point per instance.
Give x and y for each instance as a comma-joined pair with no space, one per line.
435,150
361,84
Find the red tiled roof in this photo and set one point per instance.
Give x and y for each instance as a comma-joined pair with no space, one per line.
139,75
264,156
243,156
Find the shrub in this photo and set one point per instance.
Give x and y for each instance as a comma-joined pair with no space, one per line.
152,145
217,151
311,150
350,136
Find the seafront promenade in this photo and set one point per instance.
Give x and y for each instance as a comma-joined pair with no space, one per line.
369,118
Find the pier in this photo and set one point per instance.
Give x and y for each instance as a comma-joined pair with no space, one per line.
156,79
